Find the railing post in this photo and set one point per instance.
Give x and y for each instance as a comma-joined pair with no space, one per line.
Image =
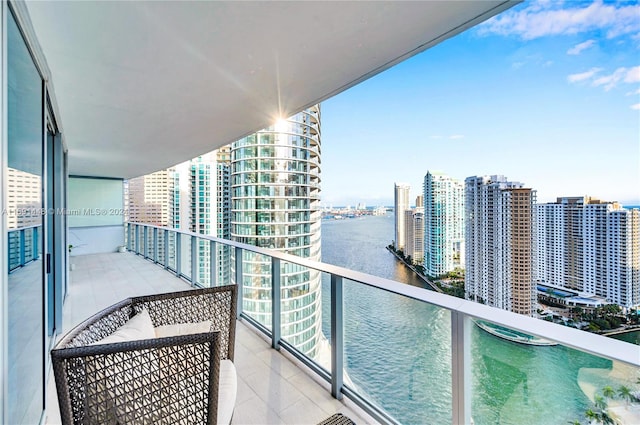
145,237
155,245
129,236
337,335
460,367
166,248
178,254
194,260
276,296
23,246
137,233
213,264
34,241
239,279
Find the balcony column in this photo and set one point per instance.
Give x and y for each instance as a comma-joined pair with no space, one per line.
166,248
145,233
238,278
337,337
22,245
155,245
276,295
194,260
178,254
461,367
213,264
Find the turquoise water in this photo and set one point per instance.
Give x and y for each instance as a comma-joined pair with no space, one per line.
398,350
632,337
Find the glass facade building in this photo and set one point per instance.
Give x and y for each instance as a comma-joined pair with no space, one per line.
275,195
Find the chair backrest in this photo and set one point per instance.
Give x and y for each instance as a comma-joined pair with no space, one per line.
170,380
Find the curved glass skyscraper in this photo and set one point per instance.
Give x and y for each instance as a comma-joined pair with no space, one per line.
275,192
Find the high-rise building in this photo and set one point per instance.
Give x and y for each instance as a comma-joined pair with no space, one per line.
444,224
414,234
210,210
401,204
275,188
589,246
150,198
498,243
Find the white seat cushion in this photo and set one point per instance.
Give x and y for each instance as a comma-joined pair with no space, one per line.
182,329
227,391
138,327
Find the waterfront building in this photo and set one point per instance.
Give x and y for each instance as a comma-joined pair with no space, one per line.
414,234
275,203
401,204
444,224
589,246
498,243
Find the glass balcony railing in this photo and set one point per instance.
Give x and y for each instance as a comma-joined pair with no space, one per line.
443,360
22,246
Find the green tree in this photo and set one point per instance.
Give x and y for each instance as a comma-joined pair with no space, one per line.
591,415
608,392
600,402
624,393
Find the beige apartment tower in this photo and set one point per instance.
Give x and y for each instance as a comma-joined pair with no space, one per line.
498,243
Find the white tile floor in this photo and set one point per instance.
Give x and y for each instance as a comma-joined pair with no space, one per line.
272,388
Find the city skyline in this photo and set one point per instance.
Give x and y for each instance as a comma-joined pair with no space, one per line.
546,91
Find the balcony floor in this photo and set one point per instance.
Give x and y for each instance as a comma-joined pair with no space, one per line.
272,388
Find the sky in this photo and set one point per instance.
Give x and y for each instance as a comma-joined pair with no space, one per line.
546,93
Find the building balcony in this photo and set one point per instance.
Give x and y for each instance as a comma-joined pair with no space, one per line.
455,372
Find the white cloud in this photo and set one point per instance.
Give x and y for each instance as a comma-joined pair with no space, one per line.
541,19
578,48
620,75
632,92
574,78
633,75
611,80
456,137
636,106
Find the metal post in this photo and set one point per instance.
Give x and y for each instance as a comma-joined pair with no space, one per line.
166,248
178,254
194,261
34,242
276,295
155,245
460,368
22,246
337,337
129,238
239,279
145,233
137,232
213,264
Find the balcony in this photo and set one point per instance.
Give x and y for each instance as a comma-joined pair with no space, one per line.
272,387
458,380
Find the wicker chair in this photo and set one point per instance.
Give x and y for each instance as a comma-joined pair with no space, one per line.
168,380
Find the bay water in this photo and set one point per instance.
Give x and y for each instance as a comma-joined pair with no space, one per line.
398,351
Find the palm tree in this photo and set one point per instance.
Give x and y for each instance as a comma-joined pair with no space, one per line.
600,402
608,392
625,393
591,415
575,422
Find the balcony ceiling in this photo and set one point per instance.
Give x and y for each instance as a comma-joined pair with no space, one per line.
143,85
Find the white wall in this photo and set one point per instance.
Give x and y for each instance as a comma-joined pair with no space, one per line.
95,215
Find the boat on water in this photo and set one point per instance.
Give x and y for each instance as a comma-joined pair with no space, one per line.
512,335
